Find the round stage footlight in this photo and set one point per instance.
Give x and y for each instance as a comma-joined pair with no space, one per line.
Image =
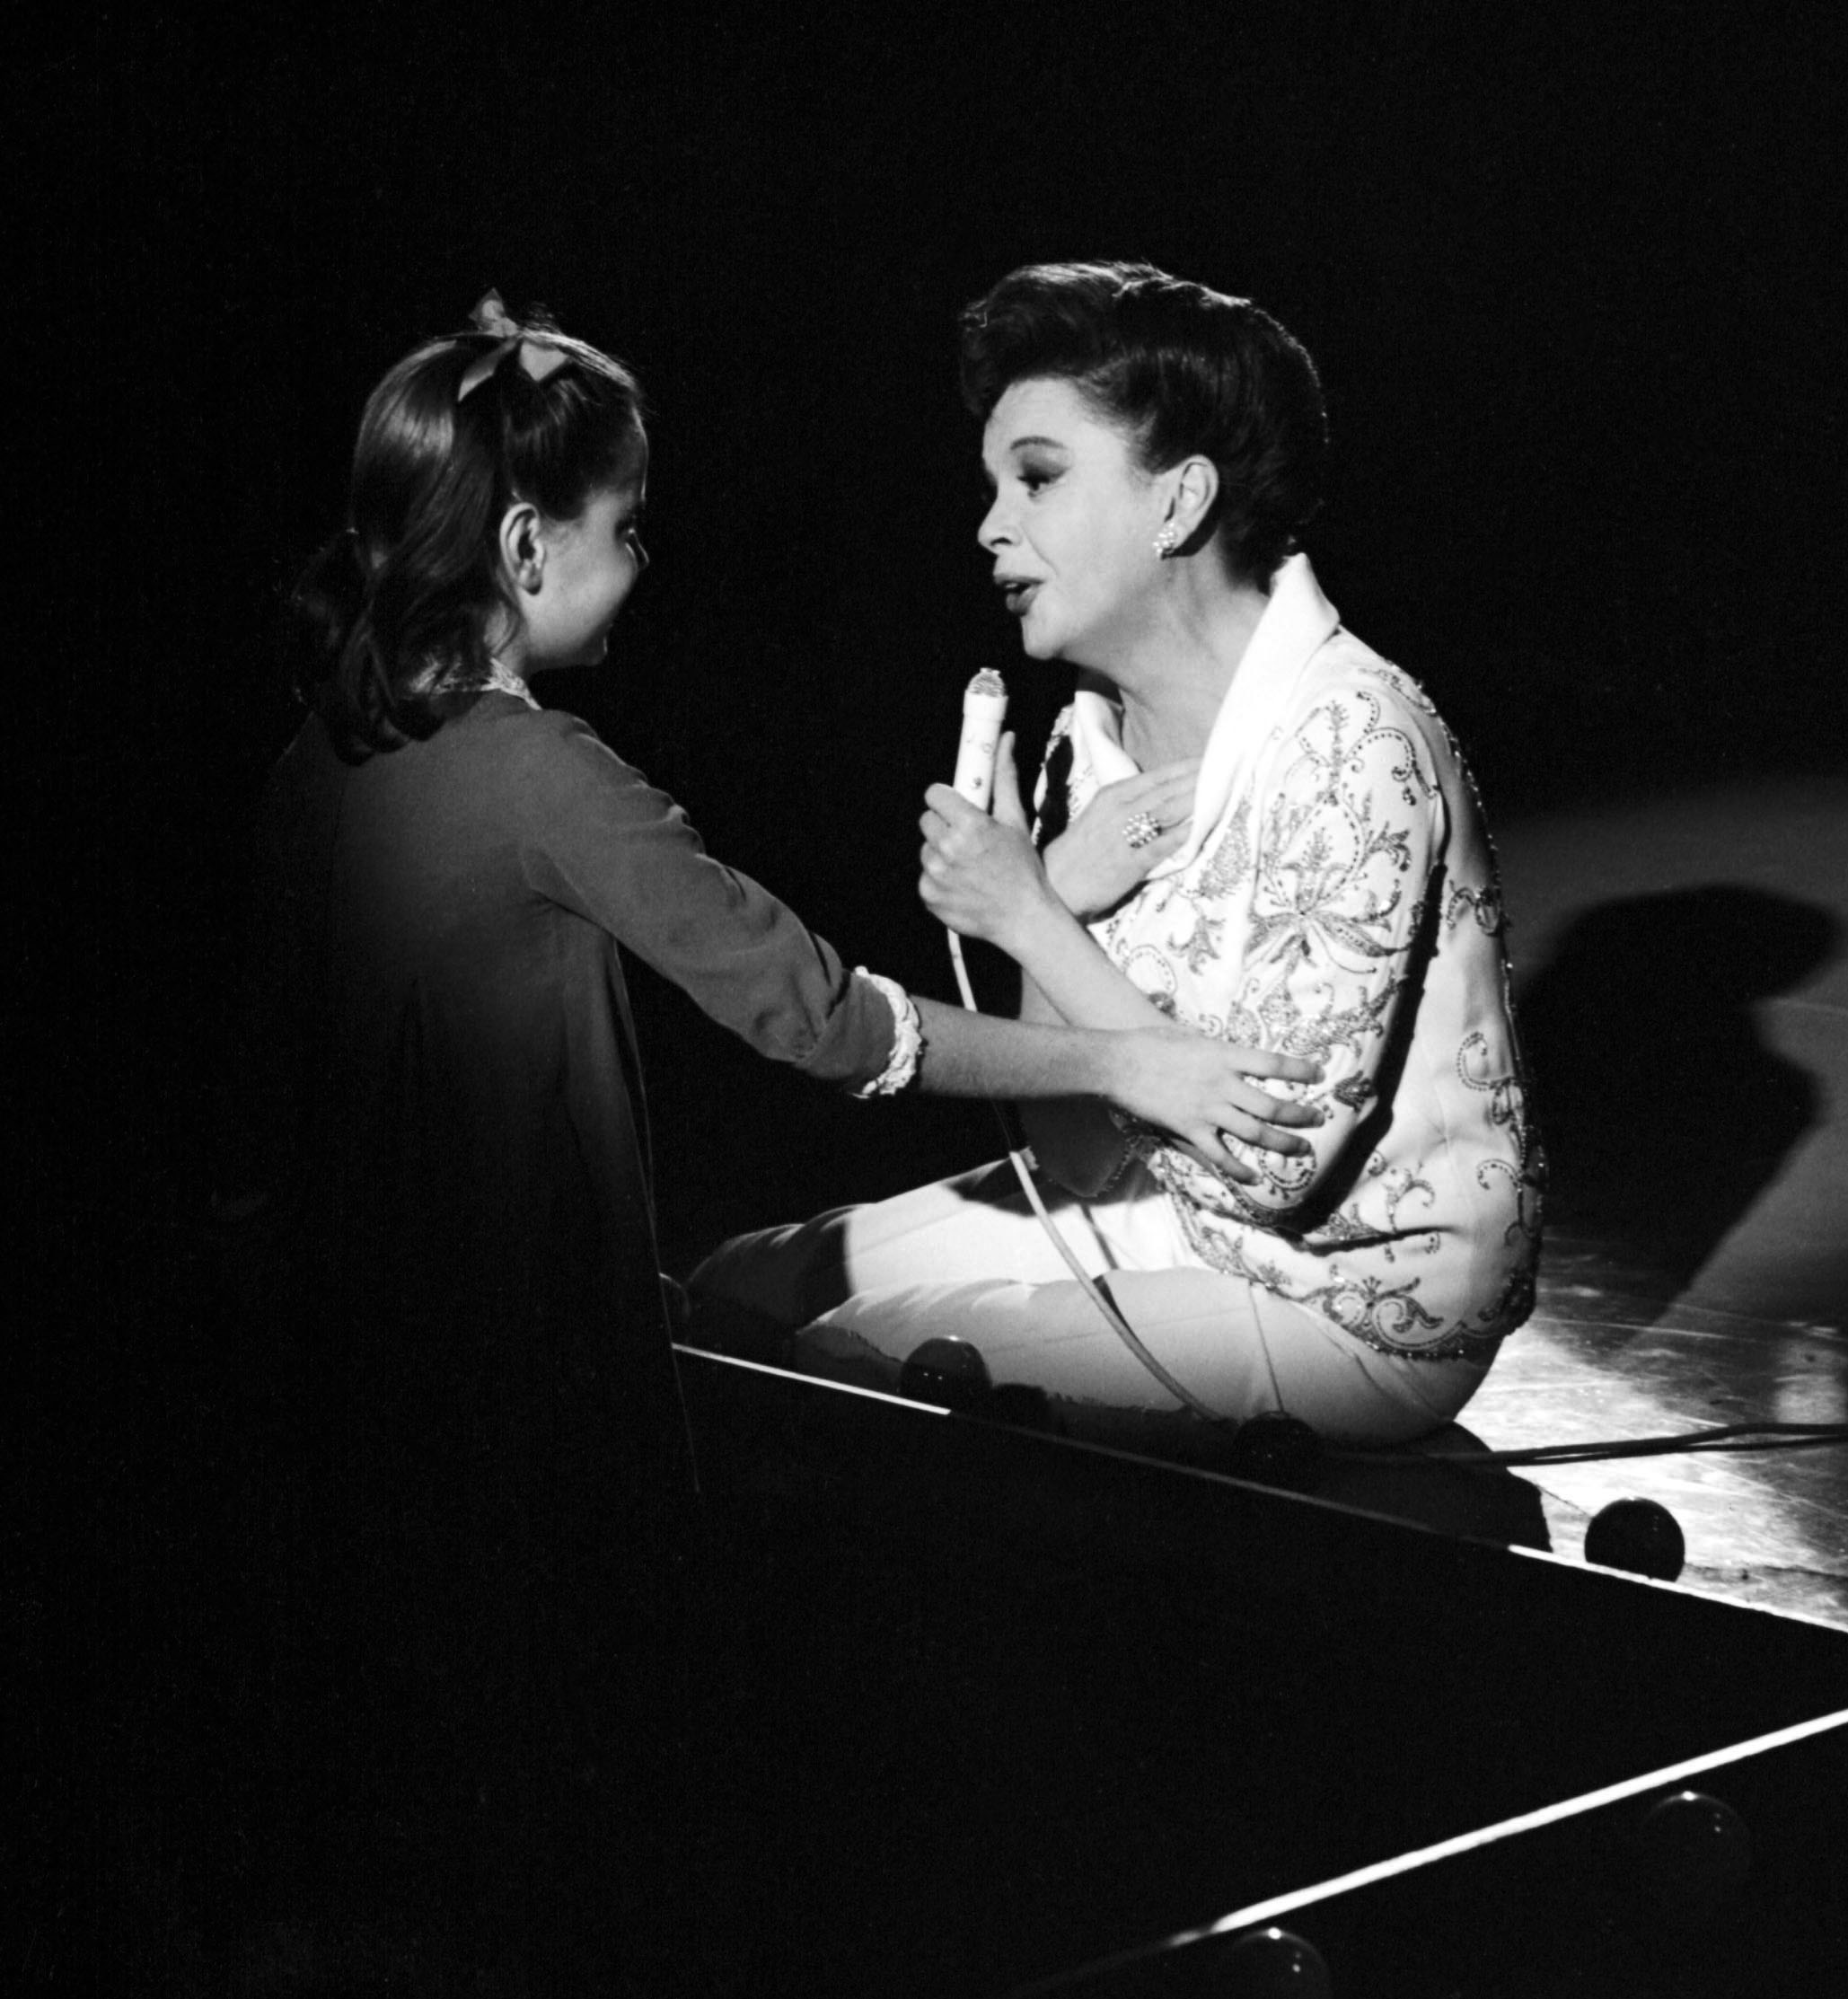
1275,1449
1638,1535
1273,1964
1693,1851
949,1373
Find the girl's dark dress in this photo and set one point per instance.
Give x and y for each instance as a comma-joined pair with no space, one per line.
451,1106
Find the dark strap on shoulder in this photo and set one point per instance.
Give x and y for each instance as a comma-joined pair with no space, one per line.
1055,814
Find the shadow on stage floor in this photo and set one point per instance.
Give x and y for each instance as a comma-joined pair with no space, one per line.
1684,995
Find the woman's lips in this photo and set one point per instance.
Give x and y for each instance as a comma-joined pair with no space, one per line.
1019,594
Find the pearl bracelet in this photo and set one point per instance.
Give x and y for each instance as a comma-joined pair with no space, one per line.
906,1038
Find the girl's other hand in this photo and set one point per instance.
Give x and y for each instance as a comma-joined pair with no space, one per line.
1092,866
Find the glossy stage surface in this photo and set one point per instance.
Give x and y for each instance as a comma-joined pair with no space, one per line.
1682,965
1035,1718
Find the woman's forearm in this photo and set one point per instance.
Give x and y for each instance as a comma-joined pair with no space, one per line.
1066,976
1034,1006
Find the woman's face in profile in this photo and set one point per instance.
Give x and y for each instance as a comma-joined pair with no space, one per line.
1072,526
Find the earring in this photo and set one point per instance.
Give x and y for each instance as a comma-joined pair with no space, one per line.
1166,541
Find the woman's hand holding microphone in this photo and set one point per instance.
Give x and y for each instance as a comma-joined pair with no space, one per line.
982,878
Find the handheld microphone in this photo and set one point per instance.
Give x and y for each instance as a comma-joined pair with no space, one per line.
984,709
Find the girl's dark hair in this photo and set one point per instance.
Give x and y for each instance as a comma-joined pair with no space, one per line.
390,621
1181,370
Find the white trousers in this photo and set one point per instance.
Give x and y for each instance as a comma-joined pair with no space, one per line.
860,1287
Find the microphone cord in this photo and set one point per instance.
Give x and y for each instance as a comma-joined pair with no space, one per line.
1094,1291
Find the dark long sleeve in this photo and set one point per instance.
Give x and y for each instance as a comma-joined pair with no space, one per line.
601,843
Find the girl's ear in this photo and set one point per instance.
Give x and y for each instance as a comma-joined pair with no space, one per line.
523,546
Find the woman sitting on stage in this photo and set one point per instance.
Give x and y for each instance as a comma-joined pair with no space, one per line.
1250,825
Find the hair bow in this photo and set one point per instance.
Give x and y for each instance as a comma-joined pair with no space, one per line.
538,355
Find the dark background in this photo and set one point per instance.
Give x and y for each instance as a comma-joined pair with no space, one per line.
1574,292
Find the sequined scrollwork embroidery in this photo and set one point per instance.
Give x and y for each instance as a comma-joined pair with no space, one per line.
1522,1172
1482,903
1388,1318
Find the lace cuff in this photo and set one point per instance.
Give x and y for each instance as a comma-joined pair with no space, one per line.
906,1038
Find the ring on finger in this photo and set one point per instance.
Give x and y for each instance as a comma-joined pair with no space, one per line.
1141,827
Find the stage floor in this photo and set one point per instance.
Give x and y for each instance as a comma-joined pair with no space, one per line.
1683,971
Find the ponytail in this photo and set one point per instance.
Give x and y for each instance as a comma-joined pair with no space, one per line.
339,661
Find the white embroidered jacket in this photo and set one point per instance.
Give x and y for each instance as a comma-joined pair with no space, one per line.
1337,898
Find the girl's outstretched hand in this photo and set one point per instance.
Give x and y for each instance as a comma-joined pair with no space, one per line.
1201,1090
1092,866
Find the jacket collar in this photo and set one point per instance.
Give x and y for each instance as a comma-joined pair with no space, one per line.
1297,623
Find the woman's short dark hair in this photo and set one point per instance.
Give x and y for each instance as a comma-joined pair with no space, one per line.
390,621
1181,370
